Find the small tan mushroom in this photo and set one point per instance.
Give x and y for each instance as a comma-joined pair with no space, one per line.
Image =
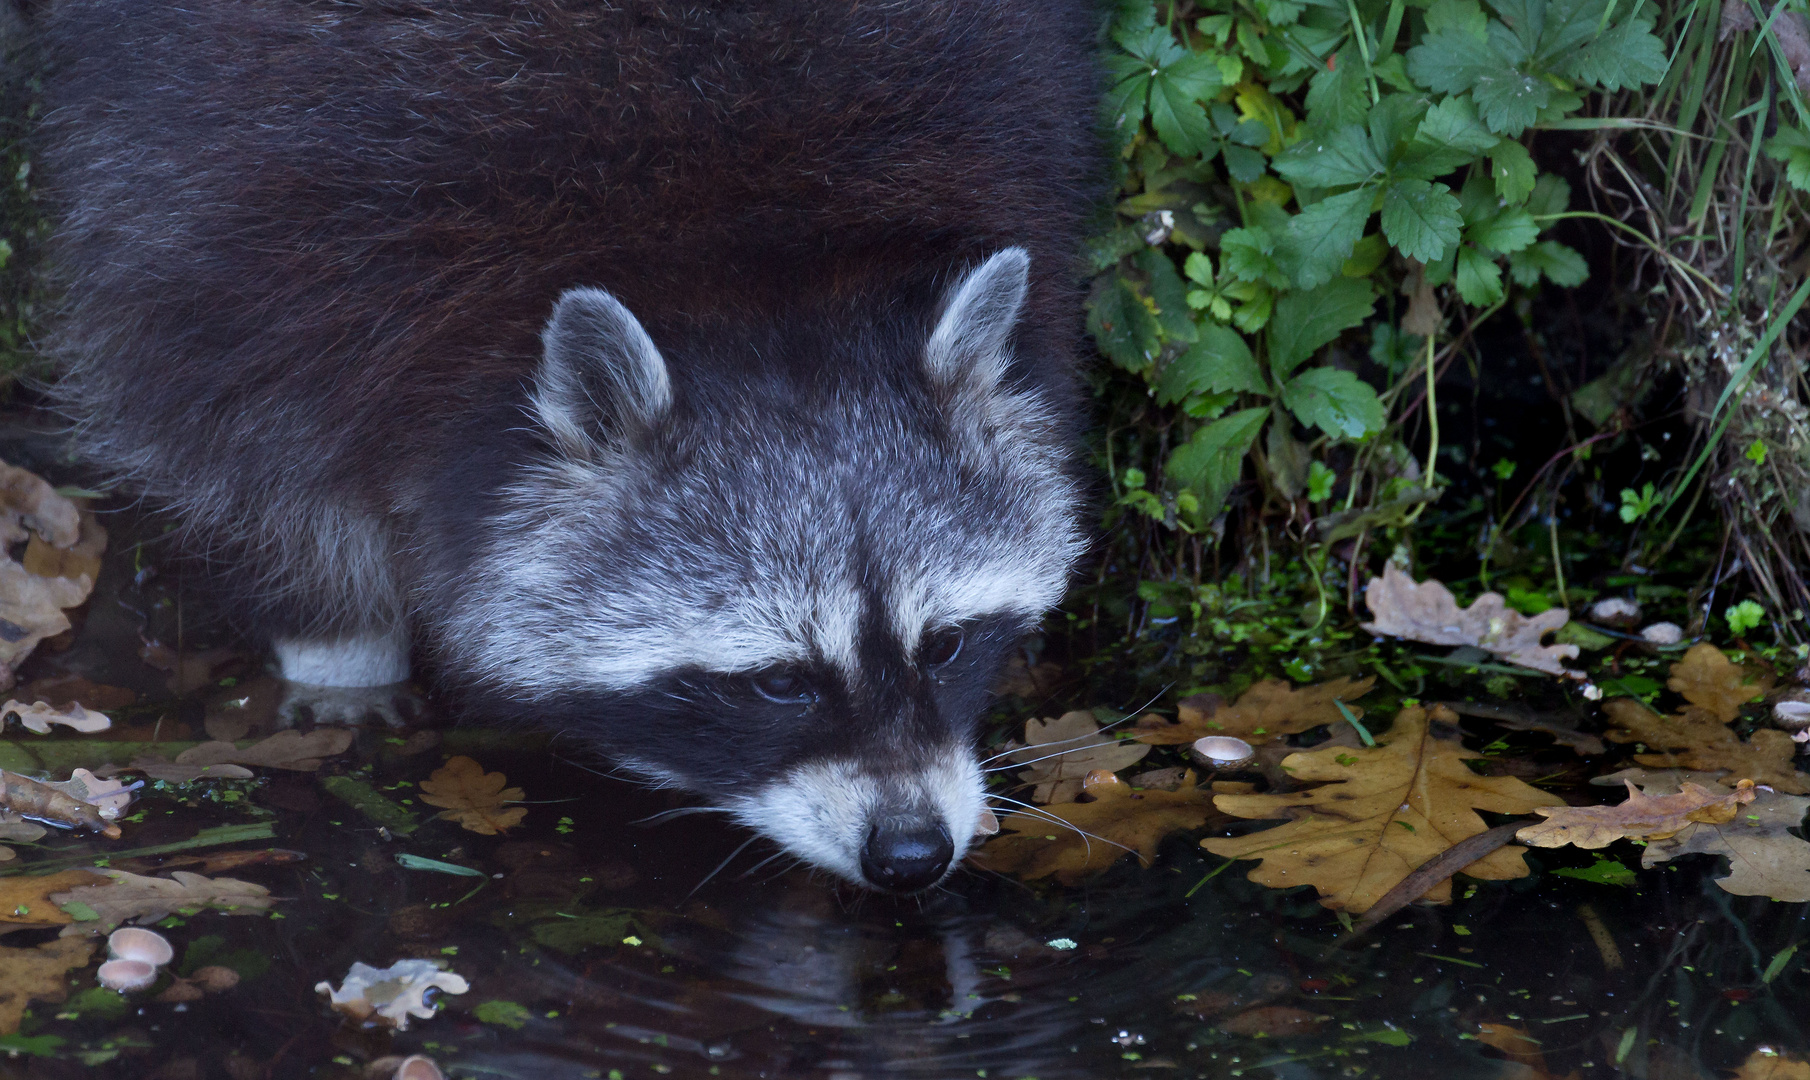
419,1067
123,975
137,943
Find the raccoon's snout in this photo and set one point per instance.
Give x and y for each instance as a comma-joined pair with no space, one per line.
906,857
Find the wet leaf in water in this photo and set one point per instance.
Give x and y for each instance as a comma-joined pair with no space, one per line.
39,974
1641,817
1275,1021
284,750
1519,1047
1428,612
83,801
473,798
1697,735
61,690
1088,837
1389,809
1764,858
365,799
30,901
503,1014
387,997
127,897
1062,751
39,715
1769,1064
1266,711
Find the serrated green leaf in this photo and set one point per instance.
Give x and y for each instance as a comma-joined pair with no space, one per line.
1391,121
1560,264
1366,257
1513,170
1335,401
1551,195
1452,60
1791,146
1507,232
1449,136
1308,319
1420,218
1179,120
1242,164
1510,101
1339,95
1249,255
1123,325
1168,293
1624,56
1220,362
1320,238
1477,277
1335,160
1465,16
1211,461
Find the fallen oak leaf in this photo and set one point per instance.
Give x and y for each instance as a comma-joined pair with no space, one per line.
126,897
1428,612
1073,840
1641,817
473,797
1769,1064
39,974
1705,676
61,690
28,901
1388,810
1061,752
213,760
39,715
1268,710
64,804
1519,1047
1697,735
1764,858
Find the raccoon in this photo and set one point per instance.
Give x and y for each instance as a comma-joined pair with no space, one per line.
695,379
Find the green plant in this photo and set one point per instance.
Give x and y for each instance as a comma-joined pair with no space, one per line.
1290,168
1744,616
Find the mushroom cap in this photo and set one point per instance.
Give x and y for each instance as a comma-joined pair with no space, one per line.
137,943
419,1067
1663,633
1223,749
123,975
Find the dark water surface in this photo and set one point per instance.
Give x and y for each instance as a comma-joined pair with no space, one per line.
595,947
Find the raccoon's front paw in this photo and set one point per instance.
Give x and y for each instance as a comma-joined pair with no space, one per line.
396,704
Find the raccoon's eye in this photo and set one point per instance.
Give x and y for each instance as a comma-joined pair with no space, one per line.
940,648
782,687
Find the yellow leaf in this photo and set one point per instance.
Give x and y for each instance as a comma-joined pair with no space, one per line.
27,900
1642,817
1267,710
473,797
1388,809
39,974
1087,837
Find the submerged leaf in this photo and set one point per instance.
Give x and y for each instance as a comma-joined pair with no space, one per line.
1268,710
127,897
1389,809
1076,839
1061,752
1641,817
1764,858
473,798
39,974
1697,735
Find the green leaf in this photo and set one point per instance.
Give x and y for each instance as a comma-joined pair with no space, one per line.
1123,325
1507,232
1624,56
1306,320
1744,616
1560,264
1249,255
1366,257
1551,195
1509,101
1211,461
1335,401
1339,95
1792,147
1420,218
1601,872
1320,238
1465,16
1513,170
1341,158
1451,61
1218,363
1478,278
1449,136
1168,293
507,1014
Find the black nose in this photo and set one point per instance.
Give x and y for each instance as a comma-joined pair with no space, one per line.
906,859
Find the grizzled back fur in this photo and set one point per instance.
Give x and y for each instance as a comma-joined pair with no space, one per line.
321,236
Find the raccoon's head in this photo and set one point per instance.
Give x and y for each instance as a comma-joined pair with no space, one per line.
781,569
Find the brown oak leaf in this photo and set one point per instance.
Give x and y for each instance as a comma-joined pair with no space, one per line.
1764,858
1076,839
473,797
1061,752
1769,1064
126,897
40,974
1697,735
1268,710
1641,817
1388,809
1429,612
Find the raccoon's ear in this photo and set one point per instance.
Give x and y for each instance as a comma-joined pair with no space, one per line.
600,374
970,341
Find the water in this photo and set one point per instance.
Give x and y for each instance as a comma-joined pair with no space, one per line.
596,947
